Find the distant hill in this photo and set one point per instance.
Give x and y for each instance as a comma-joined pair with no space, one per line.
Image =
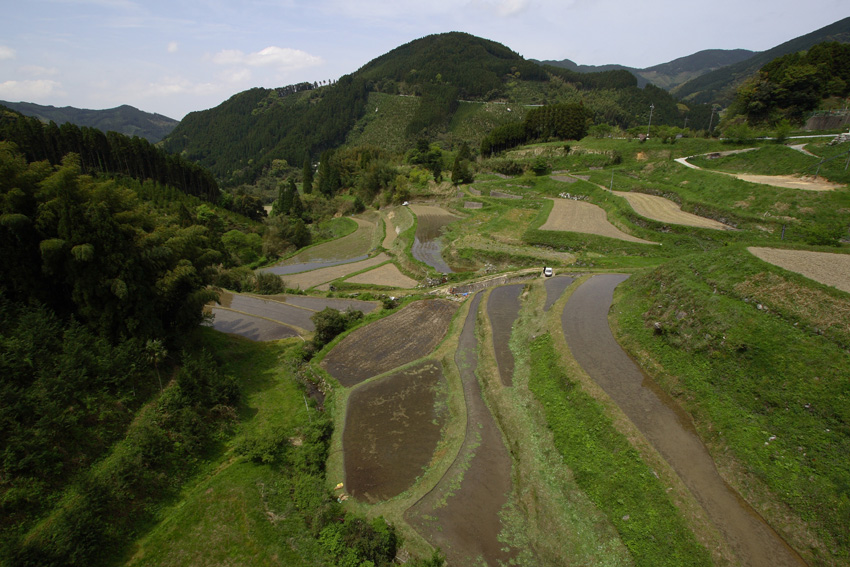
671,74
446,80
124,119
719,86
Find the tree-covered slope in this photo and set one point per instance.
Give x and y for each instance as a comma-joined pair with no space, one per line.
719,86
123,119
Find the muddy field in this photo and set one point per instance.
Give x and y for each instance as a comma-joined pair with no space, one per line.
269,309
391,342
502,311
555,287
823,267
461,514
665,425
387,275
427,246
315,278
319,303
665,210
392,428
578,216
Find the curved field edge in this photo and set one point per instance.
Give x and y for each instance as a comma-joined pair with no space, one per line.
758,358
607,467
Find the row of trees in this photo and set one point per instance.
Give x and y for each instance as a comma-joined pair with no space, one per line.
109,152
562,121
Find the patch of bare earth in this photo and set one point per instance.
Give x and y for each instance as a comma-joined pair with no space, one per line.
392,428
789,181
391,342
387,275
824,267
577,216
665,210
306,280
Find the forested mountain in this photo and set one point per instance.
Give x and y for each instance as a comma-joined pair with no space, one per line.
719,86
105,153
670,74
123,119
243,137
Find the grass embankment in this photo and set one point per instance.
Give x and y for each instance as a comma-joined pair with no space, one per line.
759,357
608,469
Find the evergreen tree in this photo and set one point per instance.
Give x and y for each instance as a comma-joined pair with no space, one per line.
307,174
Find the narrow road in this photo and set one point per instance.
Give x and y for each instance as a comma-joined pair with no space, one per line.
665,425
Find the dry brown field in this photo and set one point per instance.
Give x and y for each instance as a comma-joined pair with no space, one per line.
387,275
824,267
401,338
306,280
577,216
665,210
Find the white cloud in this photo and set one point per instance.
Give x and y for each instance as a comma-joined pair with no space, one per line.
279,57
38,71
506,8
172,47
6,52
29,90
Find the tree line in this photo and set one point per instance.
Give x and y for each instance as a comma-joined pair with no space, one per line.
110,152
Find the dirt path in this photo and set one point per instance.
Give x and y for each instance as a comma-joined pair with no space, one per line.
577,216
665,210
823,267
668,428
461,514
784,181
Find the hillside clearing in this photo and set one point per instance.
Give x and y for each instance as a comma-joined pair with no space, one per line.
824,267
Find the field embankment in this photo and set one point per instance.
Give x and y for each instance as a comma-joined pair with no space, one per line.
759,359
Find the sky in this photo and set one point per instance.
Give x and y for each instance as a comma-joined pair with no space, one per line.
173,57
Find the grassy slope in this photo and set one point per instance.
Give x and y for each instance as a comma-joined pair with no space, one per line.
239,512
764,377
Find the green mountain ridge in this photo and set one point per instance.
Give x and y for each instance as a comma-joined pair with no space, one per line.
719,86
124,119
670,74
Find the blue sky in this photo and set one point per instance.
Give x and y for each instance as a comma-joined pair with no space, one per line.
176,56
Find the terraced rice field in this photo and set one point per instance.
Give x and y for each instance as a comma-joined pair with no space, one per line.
392,428
307,280
387,275
396,340
577,216
665,210
823,267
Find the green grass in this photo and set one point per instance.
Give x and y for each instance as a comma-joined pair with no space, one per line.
238,511
766,384
609,470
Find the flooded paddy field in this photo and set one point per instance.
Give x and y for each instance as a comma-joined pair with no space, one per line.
502,310
392,428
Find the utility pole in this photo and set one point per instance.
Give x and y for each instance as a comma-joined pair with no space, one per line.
651,107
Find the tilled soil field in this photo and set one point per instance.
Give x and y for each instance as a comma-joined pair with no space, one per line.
307,280
577,216
391,342
665,210
823,267
387,275
248,326
392,428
